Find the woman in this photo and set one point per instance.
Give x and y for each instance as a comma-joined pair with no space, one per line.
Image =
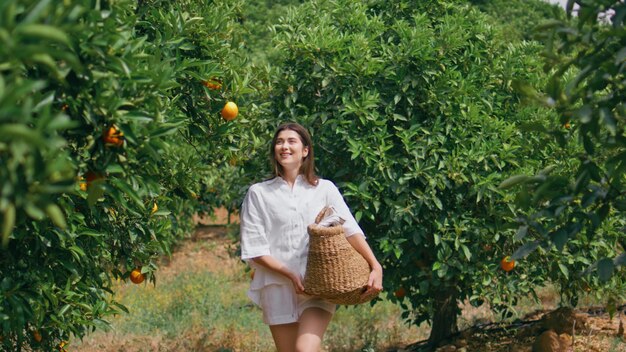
274,241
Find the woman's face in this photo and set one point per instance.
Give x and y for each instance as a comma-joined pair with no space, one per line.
289,150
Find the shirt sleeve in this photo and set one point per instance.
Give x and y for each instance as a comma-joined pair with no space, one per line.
254,241
335,199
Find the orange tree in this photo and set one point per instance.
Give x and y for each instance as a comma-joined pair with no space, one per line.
577,209
108,128
414,114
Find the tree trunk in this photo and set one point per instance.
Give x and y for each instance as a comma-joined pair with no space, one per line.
444,319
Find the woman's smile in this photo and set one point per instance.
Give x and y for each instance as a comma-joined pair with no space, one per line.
289,149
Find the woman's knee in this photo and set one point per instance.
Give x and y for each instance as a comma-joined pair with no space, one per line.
308,343
313,324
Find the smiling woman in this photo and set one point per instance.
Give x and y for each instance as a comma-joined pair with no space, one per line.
289,150
274,241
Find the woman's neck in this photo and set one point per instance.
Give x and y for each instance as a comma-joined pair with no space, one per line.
290,176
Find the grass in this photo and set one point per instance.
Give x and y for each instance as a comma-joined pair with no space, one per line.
200,304
213,305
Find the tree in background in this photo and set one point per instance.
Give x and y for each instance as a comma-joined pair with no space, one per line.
576,207
415,117
519,17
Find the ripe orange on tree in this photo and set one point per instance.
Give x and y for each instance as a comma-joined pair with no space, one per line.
113,136
507,264
230,111
212,84
155,208
90,176
400,293
136,276
82,184
37,335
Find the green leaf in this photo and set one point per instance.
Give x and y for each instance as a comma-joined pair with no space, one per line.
2,87
166,129
559,238
605,269
438,203
564,270
95,191
584,114
34,212
44,32
56,215
78,251
525,250
467,252
64,309
533,127
521,232
12,131
123,186
609,121
8,223
114,169
513,181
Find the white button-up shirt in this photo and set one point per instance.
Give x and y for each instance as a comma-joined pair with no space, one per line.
274,220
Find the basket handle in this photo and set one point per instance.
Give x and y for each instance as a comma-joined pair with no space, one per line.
322,214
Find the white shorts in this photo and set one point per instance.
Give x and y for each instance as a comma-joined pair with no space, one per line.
281,304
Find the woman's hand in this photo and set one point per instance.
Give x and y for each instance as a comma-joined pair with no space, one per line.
375,281
297,282
275,265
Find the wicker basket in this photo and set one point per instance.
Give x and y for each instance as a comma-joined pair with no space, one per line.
335,271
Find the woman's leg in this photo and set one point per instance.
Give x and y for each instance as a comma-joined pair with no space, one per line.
312,325
285,336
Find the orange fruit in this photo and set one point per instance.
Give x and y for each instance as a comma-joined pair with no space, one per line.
507,264
113,136
213,84
90,176
400,293
155,208
136,276
37,336
82,184
567,125
230,111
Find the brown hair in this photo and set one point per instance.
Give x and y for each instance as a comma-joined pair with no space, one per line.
307,169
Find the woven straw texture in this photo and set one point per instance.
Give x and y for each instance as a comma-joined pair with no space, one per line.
335,271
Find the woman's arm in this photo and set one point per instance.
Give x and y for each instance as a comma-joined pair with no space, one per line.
375,282
273,264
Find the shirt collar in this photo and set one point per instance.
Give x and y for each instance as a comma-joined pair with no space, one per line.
299,179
